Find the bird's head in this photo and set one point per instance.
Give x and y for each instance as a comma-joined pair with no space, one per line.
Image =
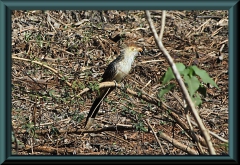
132,50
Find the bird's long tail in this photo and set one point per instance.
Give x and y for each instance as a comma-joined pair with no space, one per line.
95,106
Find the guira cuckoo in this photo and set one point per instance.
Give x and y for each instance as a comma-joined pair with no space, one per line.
115,71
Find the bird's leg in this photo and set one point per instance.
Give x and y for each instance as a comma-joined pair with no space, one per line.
122,85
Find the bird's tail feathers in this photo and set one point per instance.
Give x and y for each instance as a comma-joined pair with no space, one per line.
95,107
93,111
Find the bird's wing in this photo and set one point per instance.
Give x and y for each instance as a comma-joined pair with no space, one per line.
110,72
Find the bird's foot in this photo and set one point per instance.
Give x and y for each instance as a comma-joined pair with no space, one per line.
115,83
122,85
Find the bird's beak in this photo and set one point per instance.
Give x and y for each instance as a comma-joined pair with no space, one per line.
140,51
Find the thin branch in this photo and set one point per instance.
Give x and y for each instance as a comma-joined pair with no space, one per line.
163,24
192,133
118,127
177,144
183,87
155,135
213,134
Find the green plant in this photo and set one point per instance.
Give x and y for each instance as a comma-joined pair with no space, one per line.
191,77
39,40
54,131
78,85
139,125
94,86
30,128
27,36
78,117
225,145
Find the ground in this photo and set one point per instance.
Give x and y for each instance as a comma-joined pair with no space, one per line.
56,55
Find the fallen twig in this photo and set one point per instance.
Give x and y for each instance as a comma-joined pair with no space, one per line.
155,135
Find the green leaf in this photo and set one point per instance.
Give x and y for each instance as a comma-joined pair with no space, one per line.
204,76
185,72
165,90
51,92
180,67
169,74
197,100
192,84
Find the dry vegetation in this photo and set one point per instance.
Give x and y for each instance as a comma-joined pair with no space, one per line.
57,54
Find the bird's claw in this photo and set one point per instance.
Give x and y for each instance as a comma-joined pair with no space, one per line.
122,85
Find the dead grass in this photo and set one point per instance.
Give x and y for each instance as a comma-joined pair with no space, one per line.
48,114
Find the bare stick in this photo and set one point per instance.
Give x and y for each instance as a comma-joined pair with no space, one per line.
181,84
163,24
155,135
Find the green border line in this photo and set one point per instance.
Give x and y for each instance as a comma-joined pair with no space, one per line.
5,70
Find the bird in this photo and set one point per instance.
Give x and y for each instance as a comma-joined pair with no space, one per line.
115,71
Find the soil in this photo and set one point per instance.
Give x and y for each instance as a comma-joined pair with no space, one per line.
58,54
